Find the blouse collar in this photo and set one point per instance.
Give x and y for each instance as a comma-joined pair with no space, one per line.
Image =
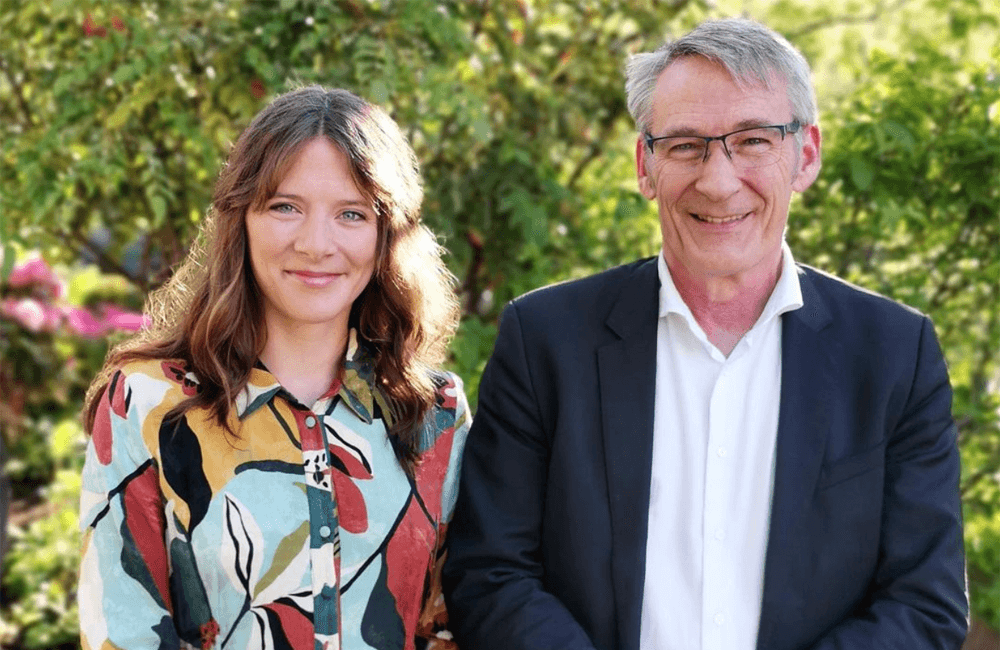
355,385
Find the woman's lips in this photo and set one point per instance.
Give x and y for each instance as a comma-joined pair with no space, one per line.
313,278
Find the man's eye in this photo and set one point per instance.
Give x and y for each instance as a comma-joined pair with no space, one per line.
685,149
757,139
353,215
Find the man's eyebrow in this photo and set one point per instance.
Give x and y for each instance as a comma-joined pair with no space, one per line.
680,131
751,123
687,131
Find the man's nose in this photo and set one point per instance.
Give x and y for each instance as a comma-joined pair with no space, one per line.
717,176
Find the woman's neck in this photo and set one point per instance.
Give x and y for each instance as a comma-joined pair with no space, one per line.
304,358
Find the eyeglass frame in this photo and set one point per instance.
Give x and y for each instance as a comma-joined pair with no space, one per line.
790,128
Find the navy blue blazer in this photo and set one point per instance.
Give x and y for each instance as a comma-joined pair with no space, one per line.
547,548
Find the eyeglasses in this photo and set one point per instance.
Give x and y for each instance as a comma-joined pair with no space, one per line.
752,148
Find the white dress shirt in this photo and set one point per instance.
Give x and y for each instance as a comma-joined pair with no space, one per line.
714,428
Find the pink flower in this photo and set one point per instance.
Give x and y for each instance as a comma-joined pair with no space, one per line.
84,323
122,319
34,271
92,29
30,313
53,317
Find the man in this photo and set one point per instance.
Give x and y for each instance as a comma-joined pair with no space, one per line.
715,448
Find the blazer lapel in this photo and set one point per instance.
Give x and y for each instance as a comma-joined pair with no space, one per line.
627,374
808,360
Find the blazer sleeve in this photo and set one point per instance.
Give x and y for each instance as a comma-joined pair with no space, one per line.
493,576
918,599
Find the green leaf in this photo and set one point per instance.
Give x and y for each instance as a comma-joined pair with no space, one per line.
123,73
159,206
481,129
900,134
119,116
8,261
862,173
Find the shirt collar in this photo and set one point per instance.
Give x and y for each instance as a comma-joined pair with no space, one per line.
786,295
355,385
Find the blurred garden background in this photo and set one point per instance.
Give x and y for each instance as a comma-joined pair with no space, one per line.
115,118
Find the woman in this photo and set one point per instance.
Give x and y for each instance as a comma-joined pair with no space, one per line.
274,462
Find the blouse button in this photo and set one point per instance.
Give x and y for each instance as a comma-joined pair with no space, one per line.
324,531
310,422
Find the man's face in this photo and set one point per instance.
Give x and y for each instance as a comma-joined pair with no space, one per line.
716,219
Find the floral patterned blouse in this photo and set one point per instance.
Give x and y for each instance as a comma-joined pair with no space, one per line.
303,532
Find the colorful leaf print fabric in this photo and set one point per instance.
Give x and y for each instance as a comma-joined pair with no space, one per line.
304,532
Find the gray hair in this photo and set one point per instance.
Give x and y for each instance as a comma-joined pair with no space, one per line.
749,51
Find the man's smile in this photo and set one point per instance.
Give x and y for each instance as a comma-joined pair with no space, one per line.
704,218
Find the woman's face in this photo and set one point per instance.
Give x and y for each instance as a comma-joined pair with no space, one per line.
312,246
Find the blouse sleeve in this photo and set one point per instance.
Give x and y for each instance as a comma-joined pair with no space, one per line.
455,389
433,624
124,577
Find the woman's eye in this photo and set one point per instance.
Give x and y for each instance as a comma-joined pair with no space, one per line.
282,208
353,215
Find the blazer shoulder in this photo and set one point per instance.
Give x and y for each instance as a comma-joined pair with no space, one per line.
843,295
861,319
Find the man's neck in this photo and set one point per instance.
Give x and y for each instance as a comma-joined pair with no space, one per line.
726,307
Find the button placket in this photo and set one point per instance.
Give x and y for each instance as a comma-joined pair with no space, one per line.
323,523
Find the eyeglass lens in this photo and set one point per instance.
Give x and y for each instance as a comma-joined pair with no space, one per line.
746,149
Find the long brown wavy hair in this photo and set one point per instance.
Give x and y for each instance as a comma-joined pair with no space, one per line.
210,313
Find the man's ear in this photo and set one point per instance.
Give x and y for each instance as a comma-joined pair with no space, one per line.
809,159
645,182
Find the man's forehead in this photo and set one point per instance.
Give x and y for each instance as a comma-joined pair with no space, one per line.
746,78
695,92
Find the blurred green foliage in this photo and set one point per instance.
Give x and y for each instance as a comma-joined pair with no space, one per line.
115,118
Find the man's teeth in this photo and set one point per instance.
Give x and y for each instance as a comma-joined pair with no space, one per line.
702,217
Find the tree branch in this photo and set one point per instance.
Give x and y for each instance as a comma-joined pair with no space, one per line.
990,468
850,243
844,19
596,145
18,92
469,288
104,261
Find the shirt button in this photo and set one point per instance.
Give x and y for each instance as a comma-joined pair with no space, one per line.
721,451
310,422
719,534
719,619
324,531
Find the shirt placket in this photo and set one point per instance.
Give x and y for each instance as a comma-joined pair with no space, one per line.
324,539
